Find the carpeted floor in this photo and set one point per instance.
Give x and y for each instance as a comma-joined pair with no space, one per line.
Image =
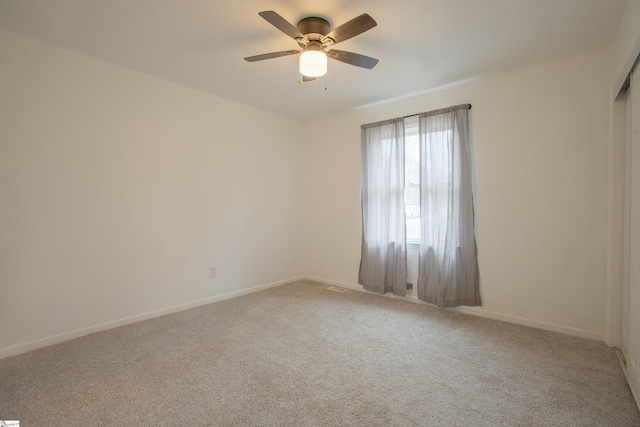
302,355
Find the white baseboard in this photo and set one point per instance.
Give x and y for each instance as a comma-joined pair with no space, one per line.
476,311
633,377
479,311
576,332
66,336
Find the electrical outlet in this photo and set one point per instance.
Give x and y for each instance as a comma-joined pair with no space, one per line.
212,272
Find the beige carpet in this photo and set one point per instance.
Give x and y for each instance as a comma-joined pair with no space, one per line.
302,355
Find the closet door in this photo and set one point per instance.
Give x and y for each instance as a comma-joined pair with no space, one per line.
633,307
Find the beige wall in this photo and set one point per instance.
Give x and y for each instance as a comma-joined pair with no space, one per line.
118,191
540,138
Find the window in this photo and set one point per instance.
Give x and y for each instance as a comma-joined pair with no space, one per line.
438,181
417,188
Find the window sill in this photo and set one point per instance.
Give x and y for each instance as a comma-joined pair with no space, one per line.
413,244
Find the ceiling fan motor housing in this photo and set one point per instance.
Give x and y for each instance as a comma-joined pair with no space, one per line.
314,28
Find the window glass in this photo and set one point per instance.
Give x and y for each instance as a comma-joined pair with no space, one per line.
412,179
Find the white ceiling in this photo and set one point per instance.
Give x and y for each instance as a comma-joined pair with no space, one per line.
421,44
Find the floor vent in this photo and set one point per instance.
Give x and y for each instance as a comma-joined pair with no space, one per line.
334,288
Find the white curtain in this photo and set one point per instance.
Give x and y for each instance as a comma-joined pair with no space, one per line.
383,266
448,273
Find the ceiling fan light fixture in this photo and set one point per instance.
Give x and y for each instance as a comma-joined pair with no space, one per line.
313,63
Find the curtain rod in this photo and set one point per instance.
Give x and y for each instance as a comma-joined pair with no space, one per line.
417,114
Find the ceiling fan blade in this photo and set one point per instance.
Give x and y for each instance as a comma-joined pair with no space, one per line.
271,55
350,29
353,58
282,24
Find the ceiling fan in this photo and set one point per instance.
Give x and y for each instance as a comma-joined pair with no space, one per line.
314,36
